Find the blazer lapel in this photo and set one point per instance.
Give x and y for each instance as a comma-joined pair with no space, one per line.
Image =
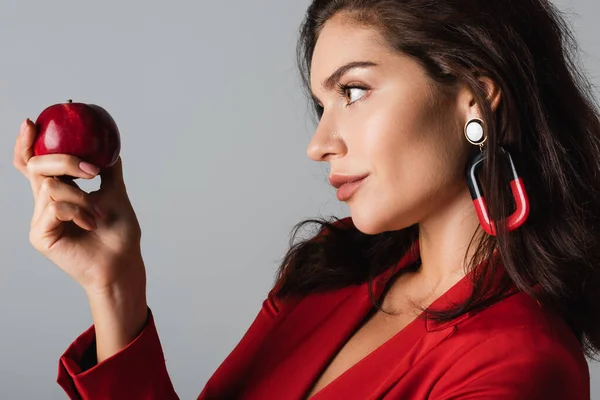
300,347
297,348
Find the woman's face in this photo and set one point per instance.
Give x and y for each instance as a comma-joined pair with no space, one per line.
395,127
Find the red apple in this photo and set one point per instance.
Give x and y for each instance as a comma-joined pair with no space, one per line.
83,130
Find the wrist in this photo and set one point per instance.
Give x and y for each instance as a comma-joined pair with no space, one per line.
120,314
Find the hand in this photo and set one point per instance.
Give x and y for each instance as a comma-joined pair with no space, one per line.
94,237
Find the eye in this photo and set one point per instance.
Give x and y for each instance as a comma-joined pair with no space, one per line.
352,93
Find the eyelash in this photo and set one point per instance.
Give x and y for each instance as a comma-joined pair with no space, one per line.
341,89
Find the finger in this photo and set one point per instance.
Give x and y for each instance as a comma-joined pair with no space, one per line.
49,227
68,181
23,150
51,165
52,189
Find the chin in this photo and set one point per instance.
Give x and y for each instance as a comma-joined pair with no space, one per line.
374,219
368,222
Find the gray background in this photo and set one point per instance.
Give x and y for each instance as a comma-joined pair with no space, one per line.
214,131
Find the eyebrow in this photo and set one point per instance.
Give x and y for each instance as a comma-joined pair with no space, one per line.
334,78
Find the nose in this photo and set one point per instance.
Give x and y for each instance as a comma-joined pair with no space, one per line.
325,144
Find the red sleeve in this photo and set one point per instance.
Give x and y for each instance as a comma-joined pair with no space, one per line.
136,372
515,367
139,371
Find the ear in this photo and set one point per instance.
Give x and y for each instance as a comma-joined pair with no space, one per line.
467,102
493,91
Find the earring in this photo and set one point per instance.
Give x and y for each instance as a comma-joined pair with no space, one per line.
474,134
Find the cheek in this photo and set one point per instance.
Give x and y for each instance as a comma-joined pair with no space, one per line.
411,146
396,138
380,137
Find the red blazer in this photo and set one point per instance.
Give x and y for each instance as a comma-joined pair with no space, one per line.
512,350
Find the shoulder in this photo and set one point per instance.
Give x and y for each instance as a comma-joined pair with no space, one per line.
517,345
521,317
520,322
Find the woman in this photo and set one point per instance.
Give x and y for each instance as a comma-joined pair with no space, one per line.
430,289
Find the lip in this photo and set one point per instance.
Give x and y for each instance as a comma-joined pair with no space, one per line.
346,185
338,180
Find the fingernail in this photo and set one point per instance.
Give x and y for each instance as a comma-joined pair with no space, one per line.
89,168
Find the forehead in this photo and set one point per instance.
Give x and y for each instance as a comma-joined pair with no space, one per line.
342,41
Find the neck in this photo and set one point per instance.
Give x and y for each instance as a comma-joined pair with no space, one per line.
444,240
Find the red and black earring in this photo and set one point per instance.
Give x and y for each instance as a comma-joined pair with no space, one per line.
474,133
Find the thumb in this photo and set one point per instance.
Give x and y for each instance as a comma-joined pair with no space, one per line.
112,177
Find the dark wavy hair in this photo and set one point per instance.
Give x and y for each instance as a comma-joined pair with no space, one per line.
547,117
